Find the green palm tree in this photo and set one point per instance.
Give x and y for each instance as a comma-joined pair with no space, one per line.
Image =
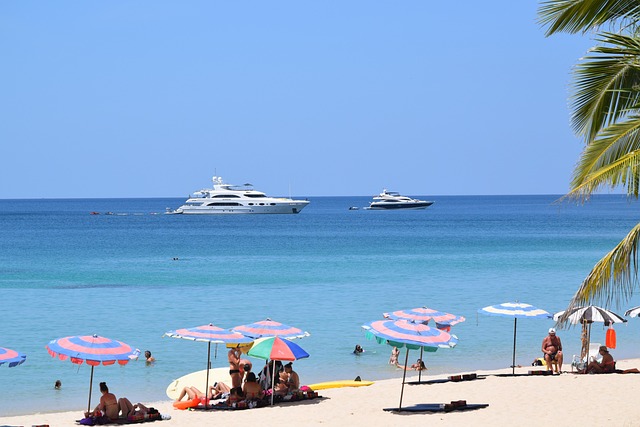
606,113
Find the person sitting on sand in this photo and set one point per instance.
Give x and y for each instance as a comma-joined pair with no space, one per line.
234,367
109,405
607,365
235,396
245,367
292,380
251,388
552,350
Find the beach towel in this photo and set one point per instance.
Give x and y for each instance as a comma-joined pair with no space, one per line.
438,407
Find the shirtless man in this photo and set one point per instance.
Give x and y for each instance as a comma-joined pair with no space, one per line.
552,349
234,367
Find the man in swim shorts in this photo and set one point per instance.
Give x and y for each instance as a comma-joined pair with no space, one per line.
552,350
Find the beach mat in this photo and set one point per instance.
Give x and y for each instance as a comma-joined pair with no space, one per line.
529,374
437,407
441,381
121,421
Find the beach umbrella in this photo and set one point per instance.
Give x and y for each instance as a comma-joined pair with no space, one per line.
209,334
276,348
270,328
11,357
585,316
633,312
409,334
516,310
442,320
424,315
92,349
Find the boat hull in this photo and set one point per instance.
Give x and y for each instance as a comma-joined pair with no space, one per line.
283,208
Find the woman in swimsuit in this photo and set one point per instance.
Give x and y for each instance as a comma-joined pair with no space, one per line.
108,405
251,388
234,367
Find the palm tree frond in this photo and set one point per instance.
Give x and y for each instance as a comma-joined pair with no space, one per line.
610,160
606,84
574,16
613,278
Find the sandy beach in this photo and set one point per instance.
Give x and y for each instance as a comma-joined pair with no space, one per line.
567,399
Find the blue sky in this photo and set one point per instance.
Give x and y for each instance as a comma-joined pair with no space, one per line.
149,98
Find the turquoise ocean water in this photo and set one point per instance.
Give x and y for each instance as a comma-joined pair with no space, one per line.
327,270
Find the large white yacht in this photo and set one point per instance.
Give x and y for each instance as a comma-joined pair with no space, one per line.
390,200
226,198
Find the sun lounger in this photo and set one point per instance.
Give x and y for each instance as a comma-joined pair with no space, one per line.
459,405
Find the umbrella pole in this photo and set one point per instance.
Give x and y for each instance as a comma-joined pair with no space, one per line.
513,362
90,387
206,385
404,375
273,381
420,371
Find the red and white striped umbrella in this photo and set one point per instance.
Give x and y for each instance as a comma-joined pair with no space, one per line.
92,349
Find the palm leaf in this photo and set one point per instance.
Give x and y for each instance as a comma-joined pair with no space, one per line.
610,160
614,277
606,84
574,16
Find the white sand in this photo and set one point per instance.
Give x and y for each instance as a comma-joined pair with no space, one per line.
563,400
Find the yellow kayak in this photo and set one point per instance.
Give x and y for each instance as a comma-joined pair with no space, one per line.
339,384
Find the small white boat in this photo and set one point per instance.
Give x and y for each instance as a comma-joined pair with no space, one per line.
391,200
226,198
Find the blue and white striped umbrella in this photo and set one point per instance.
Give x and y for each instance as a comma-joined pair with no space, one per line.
515,310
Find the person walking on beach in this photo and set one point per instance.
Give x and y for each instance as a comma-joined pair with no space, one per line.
552,349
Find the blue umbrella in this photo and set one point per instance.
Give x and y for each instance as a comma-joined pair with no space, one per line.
404,333
11,357
515,310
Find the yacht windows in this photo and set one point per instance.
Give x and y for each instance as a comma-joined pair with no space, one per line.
272,204
224,204
225,196
255,195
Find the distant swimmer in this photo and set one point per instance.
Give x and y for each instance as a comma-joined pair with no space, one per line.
358,349
57,385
